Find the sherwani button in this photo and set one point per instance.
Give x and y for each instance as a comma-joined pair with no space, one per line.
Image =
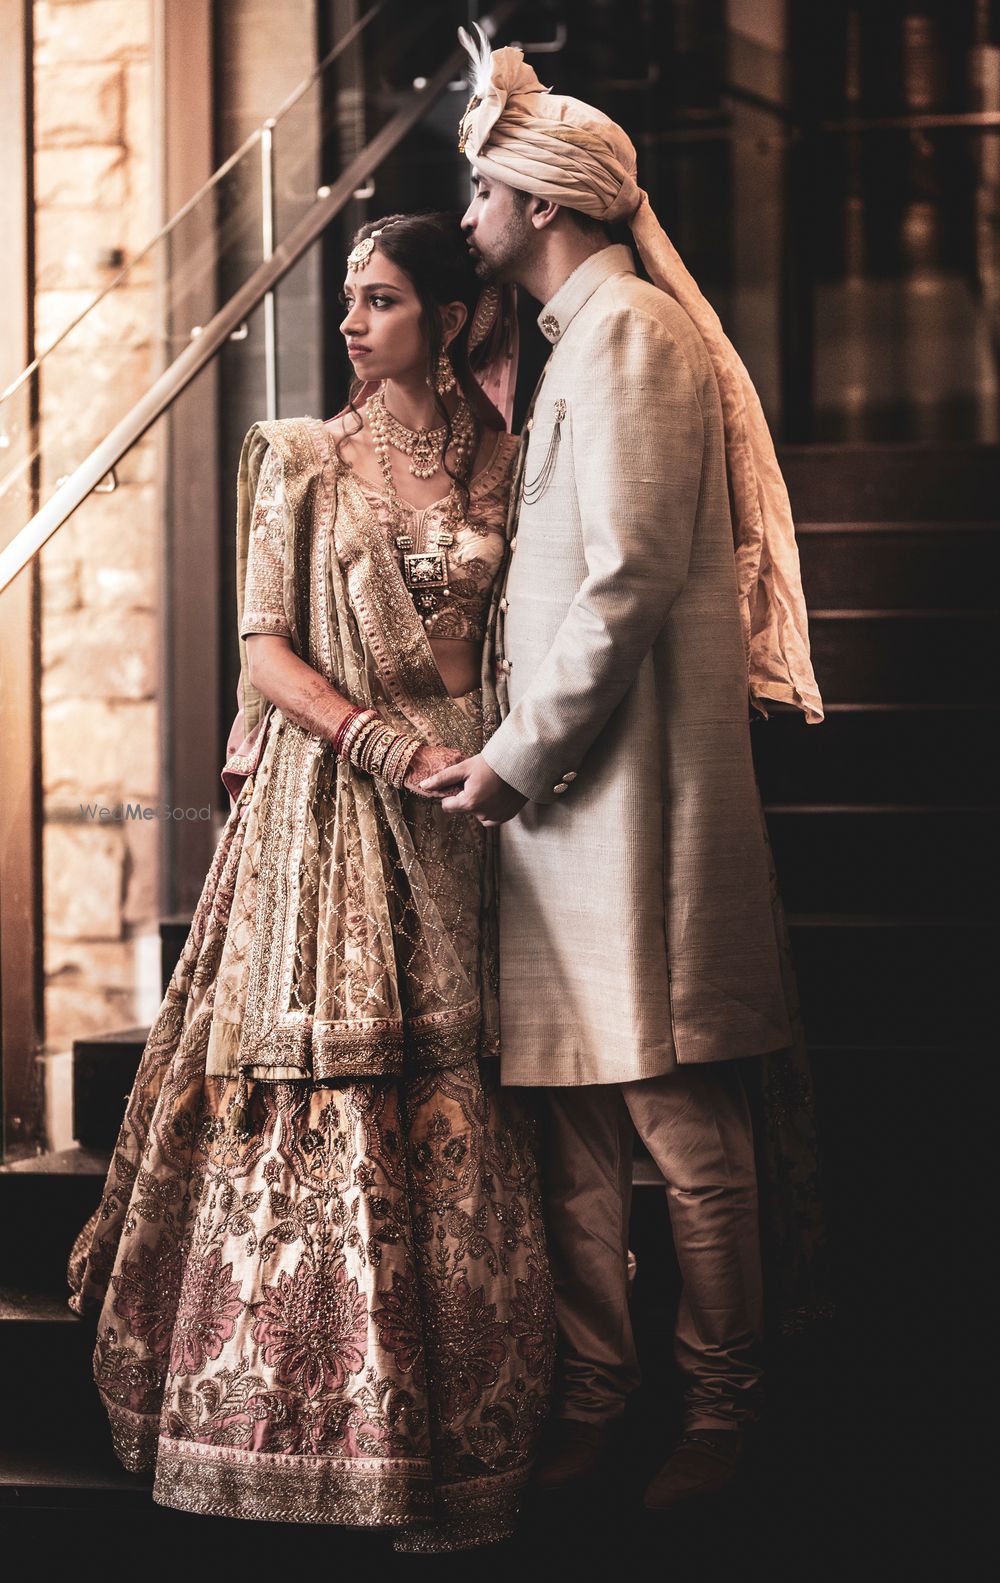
560,788
505,667
504,606
570,775
513,542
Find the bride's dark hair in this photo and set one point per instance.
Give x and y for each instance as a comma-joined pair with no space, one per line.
432,252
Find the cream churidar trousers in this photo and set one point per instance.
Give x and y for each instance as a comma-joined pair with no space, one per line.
695,1122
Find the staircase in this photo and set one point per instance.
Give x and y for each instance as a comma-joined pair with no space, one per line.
885,846
55,1449
883,822
884,836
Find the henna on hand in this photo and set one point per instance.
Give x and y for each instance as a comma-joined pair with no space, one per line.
429,761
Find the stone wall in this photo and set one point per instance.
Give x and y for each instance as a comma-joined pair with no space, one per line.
101,573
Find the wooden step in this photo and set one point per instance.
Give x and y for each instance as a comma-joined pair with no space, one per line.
173,933
47,1477
104,1068
44,1202
891,566
891,981
921,863
896,756
892,658
54,1350
19,1304
55,1441
891,483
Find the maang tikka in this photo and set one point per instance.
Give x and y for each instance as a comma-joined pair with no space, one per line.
358,257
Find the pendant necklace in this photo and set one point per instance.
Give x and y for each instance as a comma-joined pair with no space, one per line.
425,571
423,446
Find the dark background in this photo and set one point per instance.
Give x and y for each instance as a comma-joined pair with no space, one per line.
830,173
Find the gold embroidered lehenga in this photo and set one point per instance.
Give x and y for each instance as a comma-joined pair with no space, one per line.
319,1260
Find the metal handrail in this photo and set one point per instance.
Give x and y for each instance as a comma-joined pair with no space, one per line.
227,165
188,365
922,121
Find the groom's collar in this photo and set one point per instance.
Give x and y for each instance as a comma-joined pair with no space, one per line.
563,306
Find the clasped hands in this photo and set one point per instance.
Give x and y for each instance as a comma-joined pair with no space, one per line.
471,787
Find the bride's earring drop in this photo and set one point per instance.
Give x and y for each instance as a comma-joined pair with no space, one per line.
444,377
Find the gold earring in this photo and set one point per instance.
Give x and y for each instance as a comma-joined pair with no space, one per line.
444,377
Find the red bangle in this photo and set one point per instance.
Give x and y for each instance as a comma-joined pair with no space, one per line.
338,736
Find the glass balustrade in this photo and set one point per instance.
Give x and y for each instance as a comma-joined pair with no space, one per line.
157,301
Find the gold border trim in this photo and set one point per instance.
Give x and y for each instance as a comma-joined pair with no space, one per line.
382,1049
225,1481
133,1435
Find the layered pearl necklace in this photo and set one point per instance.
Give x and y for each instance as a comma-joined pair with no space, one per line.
425,447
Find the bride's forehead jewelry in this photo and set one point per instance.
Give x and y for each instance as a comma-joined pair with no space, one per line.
358,257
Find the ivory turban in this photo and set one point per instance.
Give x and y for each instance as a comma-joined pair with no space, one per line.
517,132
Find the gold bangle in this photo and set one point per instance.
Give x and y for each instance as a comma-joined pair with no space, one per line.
363,718
406,753
360,743
377,748
390,762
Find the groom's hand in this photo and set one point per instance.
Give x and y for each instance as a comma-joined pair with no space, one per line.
472,787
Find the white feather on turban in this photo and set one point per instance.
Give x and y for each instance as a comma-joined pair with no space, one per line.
517,132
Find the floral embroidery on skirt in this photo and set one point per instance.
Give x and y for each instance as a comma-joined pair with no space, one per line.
344,1316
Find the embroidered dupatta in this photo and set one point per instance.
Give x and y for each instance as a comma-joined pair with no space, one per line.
361,938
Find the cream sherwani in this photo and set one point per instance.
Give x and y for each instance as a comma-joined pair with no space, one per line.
637,943
635,911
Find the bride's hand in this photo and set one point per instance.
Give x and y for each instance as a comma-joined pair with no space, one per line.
430,761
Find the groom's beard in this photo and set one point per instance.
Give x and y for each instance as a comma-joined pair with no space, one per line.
504,261
484,272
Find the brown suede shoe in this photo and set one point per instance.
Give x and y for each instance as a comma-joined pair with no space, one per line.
573,1454
702,1463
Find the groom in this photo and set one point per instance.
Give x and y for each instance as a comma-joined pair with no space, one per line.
638,951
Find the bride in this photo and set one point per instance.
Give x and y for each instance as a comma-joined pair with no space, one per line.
318,1265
